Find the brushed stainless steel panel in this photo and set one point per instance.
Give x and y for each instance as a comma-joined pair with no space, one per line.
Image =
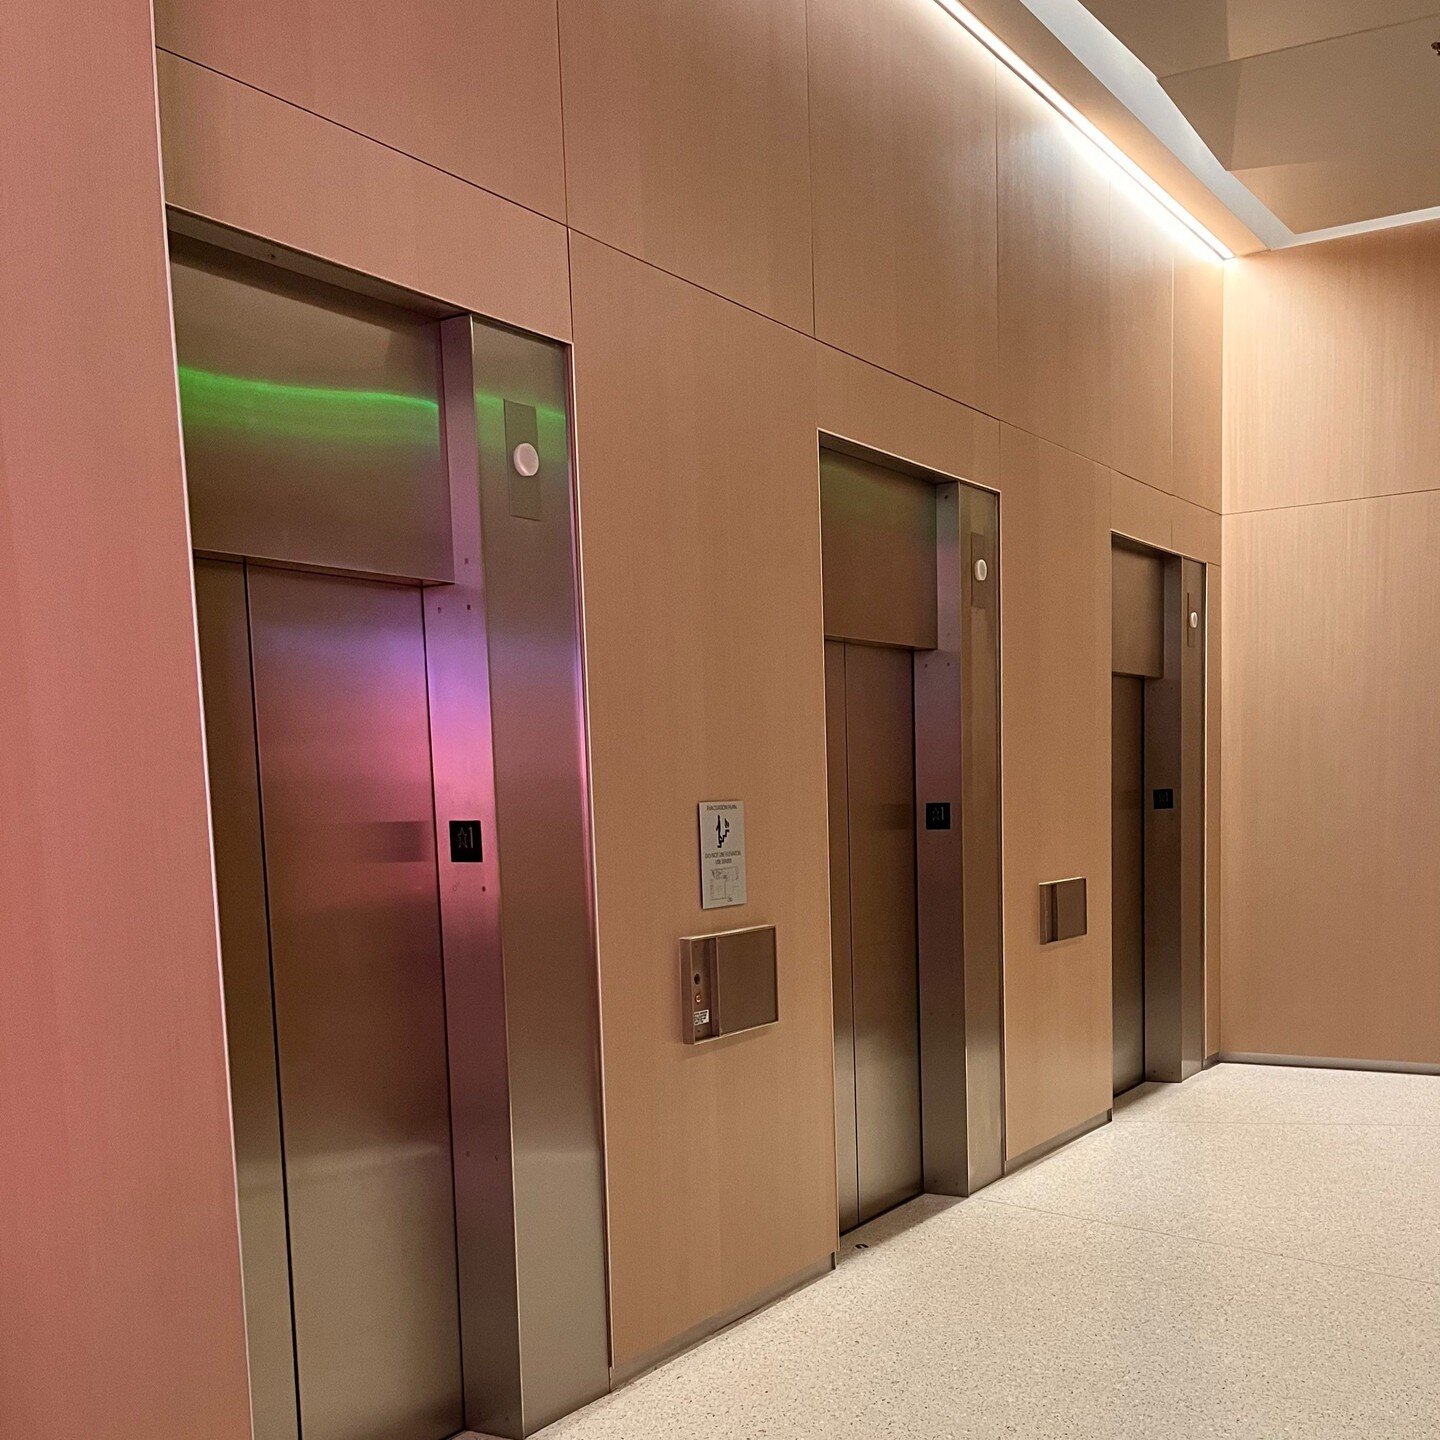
526,491
344,746
957,761
1175,841
530,1175
728,983
847,1177
940,686
463,755
311,420
543,839
880,749
980,808
249,1015
1191,594
1137,611
746,993
877,535
1065,907
1127,707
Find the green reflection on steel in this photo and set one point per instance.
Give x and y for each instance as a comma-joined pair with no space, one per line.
315,412
310,412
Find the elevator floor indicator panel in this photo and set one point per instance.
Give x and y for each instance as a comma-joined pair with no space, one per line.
465,846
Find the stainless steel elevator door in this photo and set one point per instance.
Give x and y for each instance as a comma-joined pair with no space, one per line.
345,799
872,825
1127,866
249,1005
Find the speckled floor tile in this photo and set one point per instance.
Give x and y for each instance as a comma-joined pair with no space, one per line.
1226,1264
990,1320
1366,1196
1284,1094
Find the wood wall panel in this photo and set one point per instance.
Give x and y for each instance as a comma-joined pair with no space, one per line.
1199,308
1331,789
1054,209
874,408
1140,340
1196,532
1141,512
1055,633
687,142
1331,848
471,88
1331,356
348,200
699,485
120,1306
1156,518
902,106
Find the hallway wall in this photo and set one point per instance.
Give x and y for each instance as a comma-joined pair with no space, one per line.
120,1309
1332,606
756,221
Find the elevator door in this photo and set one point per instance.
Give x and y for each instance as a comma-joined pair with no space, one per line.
1127,864
870,705
318,725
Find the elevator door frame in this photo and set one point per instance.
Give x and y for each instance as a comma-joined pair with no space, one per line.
958,869
1172,671
1127,854
352,1003
507,729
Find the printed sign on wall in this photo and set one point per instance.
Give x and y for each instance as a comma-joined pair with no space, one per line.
722,853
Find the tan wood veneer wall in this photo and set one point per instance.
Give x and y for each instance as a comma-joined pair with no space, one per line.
120,1299
770,217
1331,770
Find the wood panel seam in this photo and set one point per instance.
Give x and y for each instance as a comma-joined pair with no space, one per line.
1335,500
884,369
360,134
564,140
1148,484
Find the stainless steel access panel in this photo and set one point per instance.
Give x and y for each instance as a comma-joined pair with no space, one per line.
728,983
1065,909
390,647
911,583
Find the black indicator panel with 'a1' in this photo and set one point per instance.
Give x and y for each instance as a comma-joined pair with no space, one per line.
465,848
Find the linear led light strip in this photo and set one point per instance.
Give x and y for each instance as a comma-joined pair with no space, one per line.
1213,247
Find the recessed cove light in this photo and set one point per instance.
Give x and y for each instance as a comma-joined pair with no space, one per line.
1174,213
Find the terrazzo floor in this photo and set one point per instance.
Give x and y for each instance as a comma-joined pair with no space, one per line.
1253,1253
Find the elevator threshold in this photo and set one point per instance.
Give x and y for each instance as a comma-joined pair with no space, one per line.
881,1214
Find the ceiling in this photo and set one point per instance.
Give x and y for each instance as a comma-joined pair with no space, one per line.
1301,118
1328,111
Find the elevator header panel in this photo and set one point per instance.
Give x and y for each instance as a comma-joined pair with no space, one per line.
877,537
1137,612
311,420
